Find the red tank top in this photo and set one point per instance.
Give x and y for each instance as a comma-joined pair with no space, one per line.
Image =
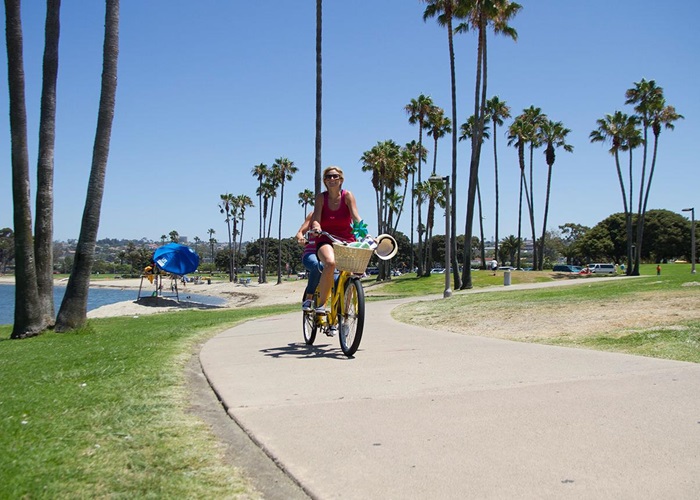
337,222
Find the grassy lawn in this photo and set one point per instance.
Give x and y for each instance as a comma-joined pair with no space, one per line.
103,412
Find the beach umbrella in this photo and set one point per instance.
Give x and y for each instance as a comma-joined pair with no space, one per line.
177,259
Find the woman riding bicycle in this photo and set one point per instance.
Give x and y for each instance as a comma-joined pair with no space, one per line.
334,212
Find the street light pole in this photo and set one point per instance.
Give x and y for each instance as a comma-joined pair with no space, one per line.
692,237
446,179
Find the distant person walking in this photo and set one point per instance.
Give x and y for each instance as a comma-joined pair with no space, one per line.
658,269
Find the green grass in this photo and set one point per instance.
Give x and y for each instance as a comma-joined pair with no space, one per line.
102,412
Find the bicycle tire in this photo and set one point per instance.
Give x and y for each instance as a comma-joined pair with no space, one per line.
351,317
309,326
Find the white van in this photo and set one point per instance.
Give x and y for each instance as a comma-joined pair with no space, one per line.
602,268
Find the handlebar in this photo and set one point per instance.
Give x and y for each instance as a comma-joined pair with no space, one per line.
334,239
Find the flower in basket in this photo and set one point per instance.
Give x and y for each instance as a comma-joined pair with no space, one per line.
359,229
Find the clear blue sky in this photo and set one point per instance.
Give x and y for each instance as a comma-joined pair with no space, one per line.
209,89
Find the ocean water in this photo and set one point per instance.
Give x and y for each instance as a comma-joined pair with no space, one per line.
96,297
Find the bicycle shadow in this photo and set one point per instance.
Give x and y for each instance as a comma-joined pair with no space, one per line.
302,351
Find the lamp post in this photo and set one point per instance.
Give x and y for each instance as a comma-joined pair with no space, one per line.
692,237
436,179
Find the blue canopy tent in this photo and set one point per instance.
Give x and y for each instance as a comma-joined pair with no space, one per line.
175,259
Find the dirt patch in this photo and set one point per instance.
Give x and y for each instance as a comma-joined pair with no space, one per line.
530,321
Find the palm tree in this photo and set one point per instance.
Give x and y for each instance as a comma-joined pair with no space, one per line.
43,226
519,133
29,318
73,311
319,93
467,129
554,136
197,241
306,198
285,171
438,126
420,154
651,106
260,172
174,236
497,110
229,208
418,111
615,129
509,246
212,240
479,14
244,201
445,11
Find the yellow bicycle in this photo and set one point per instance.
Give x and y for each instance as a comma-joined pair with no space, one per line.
347,301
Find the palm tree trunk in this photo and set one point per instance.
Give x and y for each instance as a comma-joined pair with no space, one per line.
642,214
520,218
319,93
453,194
279,235
481,226
43,229
73,311
546,212
28,320
495,163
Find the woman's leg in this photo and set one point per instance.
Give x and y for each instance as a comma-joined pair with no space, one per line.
327,257
312,265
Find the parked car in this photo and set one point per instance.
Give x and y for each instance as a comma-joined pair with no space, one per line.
602,268
565,268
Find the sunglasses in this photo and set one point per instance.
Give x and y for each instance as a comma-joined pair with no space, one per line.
332,176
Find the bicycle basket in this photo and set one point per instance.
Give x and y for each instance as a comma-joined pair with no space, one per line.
351,259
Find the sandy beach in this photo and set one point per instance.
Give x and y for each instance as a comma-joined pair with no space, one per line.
235,295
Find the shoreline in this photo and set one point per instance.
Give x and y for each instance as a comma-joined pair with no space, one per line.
235,295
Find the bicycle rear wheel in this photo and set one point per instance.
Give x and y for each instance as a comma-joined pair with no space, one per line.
309,326
351,319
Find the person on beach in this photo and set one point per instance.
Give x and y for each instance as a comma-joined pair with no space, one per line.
310,262
334,212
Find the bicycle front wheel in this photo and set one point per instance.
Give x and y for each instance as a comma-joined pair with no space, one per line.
309,326
351,319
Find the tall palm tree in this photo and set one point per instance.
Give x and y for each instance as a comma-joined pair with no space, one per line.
498,110
554,136
650,104
29,320
319,94
519,133
212,240
260,172
420,154
285,171
614,129
479,15
43,225
418,111
467,129
73,311
445,11
228,207
244,202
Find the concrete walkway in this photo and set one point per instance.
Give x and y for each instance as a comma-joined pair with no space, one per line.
427,414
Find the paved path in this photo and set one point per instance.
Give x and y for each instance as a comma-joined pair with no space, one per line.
427,414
